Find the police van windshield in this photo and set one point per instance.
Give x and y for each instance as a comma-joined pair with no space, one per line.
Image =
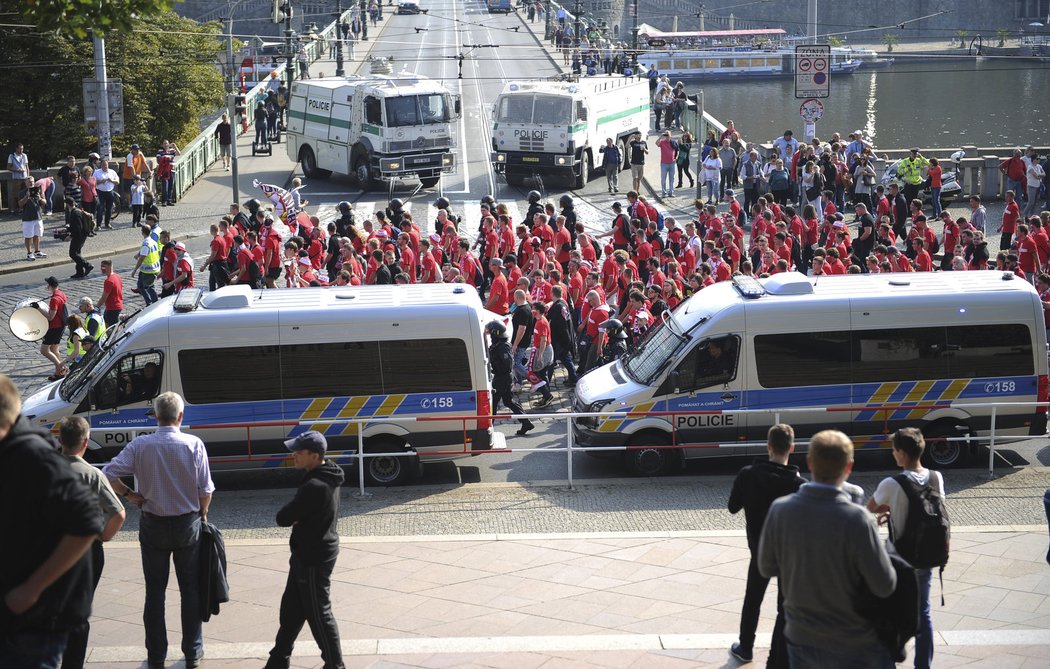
81,372
416,110
540,109
659,347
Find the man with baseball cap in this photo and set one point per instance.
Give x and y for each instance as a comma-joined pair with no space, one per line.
312,515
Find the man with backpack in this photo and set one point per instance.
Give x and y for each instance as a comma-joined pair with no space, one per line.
913,502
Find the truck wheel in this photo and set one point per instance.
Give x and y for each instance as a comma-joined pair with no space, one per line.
429,182
625,151
391,470
945,454
309,163
585,171
642,461
363,173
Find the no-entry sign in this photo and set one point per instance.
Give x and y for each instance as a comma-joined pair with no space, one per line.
812,71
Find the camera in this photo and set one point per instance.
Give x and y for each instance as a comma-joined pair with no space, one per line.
34,191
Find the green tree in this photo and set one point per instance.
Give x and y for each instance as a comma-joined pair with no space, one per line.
167,65
79,17
1002,34
890,40
962,35
835,41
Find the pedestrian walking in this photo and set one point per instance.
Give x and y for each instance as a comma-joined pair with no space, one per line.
73,434
639,148
147,265
501,362
106,181
668,150
112,300
312,515
823,548
892,502
611,161
175,491
57,312
45,573
755,489
224,133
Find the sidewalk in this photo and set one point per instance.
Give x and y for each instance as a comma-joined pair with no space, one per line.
654,599
205,203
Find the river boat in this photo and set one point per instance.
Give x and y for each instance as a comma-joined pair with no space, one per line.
722,54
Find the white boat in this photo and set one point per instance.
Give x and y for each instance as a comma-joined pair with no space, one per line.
717,54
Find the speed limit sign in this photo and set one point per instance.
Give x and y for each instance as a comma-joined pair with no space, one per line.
811,110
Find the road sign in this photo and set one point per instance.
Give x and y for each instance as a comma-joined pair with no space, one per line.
813,71
115,97
811,110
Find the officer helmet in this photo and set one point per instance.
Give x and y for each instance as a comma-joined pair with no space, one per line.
489,200
252,206
442,203
614,328
565,200
396,204
496,330
344,207
534,196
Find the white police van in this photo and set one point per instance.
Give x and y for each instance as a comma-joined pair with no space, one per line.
865,354
252,366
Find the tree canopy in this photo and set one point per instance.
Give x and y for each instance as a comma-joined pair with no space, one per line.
167,63
78,18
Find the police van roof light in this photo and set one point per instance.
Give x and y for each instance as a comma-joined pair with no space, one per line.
749,287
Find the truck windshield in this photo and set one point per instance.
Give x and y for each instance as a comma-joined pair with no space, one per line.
416,110
540,109
660,345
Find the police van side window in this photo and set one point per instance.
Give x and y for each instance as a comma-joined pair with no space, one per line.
135,378
373,111
236,374
712,362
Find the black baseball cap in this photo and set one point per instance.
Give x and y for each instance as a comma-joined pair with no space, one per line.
308,441
51,281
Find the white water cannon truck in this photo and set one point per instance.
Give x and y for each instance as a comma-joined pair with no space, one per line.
555,128
378,128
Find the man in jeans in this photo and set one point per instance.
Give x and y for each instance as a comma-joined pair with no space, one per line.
756,487
890,501
668,151
823,547
147,264
175,490
106,181
611,161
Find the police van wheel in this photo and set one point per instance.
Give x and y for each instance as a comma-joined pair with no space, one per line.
429,182
651,461
391,470
309,162
944,454
585,171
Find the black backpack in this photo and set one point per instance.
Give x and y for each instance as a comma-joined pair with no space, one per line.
928,531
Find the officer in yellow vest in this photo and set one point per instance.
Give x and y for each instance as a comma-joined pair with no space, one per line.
148,261
910,171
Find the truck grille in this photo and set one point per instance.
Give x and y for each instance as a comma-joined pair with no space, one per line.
420,143
530,144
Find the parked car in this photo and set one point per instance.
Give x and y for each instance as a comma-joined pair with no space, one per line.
408,7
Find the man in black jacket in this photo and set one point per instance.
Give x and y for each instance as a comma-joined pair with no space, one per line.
78,234
754,490
53,520
315,546
502,364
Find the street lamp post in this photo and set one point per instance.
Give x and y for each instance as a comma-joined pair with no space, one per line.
339,71
547,20
577,10
364,20
290,62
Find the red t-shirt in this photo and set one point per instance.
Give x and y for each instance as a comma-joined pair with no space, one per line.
498,295
167,264
1028,254
408,263
113,286
273,245
218,248
184,266
935,172
541,329
575,289
1010,216
596,317
431,271
561,239
245,257
56,304
923,261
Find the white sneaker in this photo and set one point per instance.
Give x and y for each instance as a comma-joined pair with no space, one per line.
41,254
30,256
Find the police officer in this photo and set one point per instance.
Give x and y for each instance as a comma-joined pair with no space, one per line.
535,207
344,225
394,212
909,171
614,340
93,321
502,365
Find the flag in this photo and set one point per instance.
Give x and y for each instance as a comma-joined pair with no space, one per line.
281,198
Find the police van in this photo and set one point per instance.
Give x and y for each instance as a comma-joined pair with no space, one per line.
258,367
865,354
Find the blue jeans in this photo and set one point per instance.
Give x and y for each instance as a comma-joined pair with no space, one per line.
104,208
32,650
1015,186
167,190
712,190
145,286
924,639
521,358
667,177
162,541
261,132
810,657
935,196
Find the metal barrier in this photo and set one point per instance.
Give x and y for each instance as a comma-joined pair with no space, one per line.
570,446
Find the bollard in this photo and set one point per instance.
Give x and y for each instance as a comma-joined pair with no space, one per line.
991,179
569,443
991,447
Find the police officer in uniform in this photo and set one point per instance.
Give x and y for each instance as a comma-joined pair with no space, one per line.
344,225
535,207
502,365
614,344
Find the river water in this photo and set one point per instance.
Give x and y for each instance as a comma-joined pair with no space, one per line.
932,104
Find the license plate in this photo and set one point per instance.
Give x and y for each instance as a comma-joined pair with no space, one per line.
420,161
530,159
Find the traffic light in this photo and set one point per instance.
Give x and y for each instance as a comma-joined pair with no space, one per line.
240,105
282,10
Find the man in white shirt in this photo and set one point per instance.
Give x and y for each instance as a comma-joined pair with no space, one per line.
1035,176
18,163
891,501
106,181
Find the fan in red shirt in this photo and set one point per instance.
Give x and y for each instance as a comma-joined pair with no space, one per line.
1041,239
499,293
430,271
923,262
730,251
542,230
643,250
506,236
834,262
1027,251
586,244
408,257
656,277
183,270
562,241
720,268
468,264
1010,216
